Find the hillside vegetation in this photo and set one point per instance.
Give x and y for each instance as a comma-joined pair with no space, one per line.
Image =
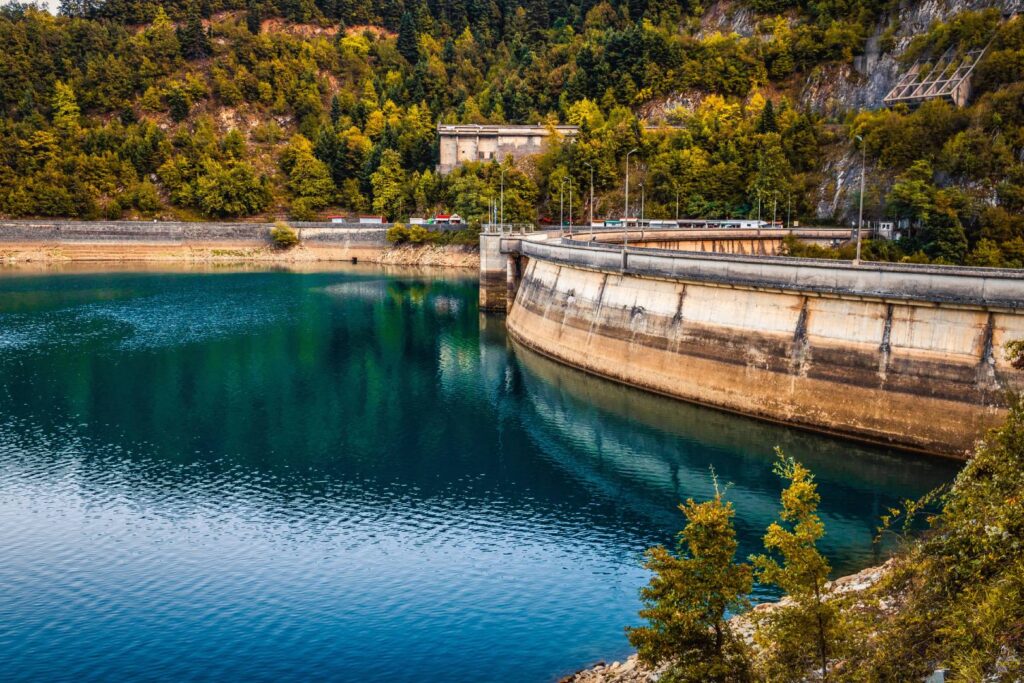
237,108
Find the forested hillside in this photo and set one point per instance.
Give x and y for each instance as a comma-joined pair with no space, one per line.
237,108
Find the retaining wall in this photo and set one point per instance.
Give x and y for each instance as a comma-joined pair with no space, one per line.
178,232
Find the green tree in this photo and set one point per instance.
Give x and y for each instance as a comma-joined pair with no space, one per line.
767,122
310,179
947,241
913,194
986,254
388,185
192,38
805,634
231,190
689,596
408,41
66,114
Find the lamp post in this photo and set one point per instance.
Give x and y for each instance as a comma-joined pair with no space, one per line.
561,205
591,198
860,218
570,204
625,216
502,222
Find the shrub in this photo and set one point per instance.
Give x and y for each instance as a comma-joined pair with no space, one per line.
398,234
283,236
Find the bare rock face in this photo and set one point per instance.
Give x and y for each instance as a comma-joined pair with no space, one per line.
725,17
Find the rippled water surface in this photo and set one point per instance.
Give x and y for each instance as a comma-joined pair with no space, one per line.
349,476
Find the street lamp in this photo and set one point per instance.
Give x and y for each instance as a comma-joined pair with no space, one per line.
561,205
591,198
625,216
570,204
860,219
502,224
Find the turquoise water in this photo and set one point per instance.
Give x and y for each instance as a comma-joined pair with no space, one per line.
346,475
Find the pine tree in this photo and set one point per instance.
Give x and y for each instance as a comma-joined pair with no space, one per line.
806,634
767,122
407,39
253,17
336,110
195,44
689,596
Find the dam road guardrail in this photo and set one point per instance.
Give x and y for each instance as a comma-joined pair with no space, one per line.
906,355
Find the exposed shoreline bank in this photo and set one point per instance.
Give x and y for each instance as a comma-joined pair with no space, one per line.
53,252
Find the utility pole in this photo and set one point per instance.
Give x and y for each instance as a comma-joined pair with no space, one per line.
860,219
591,198
789,211
775,203
677,204
625,216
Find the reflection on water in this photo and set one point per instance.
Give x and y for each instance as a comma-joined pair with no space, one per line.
349,474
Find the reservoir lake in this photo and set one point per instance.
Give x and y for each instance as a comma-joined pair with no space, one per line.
352,474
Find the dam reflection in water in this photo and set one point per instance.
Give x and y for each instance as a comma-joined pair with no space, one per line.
349,475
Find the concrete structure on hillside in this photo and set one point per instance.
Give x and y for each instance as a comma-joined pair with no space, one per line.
948,78
899,354
472,142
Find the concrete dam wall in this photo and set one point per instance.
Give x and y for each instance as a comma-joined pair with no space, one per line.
907,356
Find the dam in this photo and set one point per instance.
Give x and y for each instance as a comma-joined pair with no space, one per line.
905,355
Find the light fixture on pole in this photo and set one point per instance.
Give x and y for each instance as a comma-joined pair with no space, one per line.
570,204
591,198
561,205
625,216
502,221
860,219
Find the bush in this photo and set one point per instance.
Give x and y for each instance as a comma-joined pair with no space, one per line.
397,234
283,236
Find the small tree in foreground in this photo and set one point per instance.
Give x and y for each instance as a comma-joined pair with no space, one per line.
802,636
283,236
689,596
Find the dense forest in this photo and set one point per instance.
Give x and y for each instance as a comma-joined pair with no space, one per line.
239,108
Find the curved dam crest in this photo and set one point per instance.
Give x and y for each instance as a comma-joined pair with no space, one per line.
910,357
